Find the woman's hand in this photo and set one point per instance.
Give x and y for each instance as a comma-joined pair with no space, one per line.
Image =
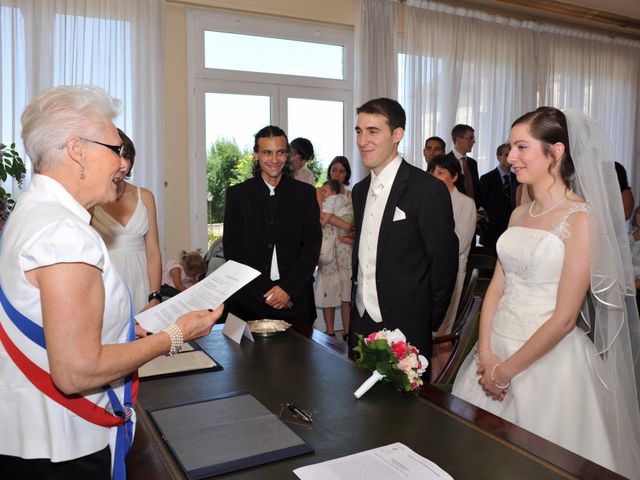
199,323
494,382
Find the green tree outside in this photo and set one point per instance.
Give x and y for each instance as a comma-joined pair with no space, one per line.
222,158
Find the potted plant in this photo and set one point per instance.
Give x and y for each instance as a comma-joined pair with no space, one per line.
11,166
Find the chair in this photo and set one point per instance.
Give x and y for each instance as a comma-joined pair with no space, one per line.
485,264
463,339
466,297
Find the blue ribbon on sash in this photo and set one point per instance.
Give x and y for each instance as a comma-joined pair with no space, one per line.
124,435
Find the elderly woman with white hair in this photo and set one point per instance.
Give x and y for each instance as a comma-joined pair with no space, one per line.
68,351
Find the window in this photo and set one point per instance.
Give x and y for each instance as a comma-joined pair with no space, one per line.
247,72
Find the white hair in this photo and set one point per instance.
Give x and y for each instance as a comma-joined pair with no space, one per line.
60,112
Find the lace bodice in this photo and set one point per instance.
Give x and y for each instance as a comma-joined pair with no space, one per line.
532,261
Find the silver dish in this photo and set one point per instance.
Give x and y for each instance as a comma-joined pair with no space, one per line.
267,327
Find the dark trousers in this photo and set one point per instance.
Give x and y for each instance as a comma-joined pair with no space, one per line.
96,466
362,325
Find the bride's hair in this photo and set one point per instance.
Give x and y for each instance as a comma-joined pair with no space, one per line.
549,126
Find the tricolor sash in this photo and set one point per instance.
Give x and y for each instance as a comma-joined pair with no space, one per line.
81,406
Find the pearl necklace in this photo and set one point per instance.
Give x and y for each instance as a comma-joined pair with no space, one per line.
547,210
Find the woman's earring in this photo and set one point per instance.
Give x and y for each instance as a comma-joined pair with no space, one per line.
82,175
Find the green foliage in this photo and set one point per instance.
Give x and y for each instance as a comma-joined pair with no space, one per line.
222,158
11,166
315,165
244,169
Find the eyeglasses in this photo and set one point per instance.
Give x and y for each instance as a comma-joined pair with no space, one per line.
117,149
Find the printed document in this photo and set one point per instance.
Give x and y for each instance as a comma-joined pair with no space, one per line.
207,293
391,462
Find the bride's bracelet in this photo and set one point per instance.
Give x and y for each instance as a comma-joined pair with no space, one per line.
502,387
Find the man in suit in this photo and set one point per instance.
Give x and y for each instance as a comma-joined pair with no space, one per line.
468,182
271,223
433,147
498,198
405,256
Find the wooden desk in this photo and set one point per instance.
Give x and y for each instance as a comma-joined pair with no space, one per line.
294,368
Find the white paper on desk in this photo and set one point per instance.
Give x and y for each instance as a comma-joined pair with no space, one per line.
235,329
391,462
207,293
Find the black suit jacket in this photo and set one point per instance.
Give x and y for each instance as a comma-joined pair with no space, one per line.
497,205
417,257
473,171
255,222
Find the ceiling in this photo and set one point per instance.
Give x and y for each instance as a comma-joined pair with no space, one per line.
611,17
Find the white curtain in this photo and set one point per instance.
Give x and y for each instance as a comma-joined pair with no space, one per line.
115,44
464,66
376,58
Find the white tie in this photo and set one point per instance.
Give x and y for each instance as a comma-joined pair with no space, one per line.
376,187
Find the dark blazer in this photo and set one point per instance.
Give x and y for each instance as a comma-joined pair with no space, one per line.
417,257
473,171
255,222
497,205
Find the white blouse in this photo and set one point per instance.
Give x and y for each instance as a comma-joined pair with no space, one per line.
48,226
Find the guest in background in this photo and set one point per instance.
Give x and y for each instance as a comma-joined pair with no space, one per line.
178,276
271,224
433,146
129,228
446,169
497,198
463,137
74,322
301,153
634,243
405,257
329,292
625,190
340,171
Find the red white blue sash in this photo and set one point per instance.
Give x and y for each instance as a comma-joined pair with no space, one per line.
81,406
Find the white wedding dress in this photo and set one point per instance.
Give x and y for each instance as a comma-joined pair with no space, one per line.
559,397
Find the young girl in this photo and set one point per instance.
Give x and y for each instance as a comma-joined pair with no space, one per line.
328,288
180,276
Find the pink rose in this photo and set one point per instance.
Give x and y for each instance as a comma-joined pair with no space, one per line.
414,385
370,338
399,350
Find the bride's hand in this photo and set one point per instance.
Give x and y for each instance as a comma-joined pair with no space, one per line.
493,384
485,360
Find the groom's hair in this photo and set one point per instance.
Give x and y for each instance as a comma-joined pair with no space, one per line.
388,108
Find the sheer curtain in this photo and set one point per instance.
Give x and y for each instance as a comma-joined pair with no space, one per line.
115,44
463,66
376,64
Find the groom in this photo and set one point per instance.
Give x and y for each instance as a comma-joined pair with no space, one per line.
405,256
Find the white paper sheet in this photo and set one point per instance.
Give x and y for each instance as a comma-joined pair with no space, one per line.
236,328
207,293
391,462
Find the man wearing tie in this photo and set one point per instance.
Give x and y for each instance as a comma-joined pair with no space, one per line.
468,182
498,188
405,256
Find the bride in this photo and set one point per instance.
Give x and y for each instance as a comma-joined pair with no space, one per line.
533,365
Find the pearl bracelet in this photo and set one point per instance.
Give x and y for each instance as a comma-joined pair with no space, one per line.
175,333
502,387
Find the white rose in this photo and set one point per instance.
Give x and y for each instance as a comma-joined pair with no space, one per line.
396,336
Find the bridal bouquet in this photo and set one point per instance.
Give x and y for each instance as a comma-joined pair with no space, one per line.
388,355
